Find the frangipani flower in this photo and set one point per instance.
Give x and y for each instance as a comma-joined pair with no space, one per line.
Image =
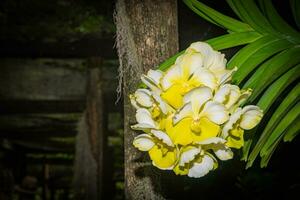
161,149
191,114
199,119
242,119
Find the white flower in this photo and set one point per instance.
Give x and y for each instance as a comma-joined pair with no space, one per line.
242,119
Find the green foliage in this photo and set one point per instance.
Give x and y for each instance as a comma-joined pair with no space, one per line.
268,62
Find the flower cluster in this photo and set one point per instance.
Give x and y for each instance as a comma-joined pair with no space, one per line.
191,114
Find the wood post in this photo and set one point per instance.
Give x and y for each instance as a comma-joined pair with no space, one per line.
146,35
91,139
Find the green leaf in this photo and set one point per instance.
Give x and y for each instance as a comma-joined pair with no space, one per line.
290,117
218,18
271,70
272,93
283,108
292,131
233,39
169,62
295,6
250,14
266,158
278,23
218,43
249,57
246,149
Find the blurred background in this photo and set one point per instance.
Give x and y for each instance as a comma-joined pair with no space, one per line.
55,56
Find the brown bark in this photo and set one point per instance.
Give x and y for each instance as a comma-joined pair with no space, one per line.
146,35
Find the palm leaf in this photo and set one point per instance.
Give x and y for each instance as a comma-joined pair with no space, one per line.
268,62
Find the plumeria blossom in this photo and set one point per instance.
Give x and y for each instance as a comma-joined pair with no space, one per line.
191,115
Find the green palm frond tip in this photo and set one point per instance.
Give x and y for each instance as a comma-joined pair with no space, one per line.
268,62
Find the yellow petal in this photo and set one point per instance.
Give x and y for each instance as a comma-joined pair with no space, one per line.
181,132
236,138
207,129
181,170
162,158
174,95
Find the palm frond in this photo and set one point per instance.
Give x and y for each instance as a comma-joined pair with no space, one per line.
269,63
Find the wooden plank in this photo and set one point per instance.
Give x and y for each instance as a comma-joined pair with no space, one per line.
91,139
86,47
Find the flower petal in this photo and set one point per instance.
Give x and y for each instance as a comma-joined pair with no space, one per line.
143,98
189,62
181,132
198,97
213,140
228,95
174,95
215,112
163,137
155,75
143,116
232,120
185,111
170,77
204,77
251,117
224,153
143,142
201,169
188,154
162,158
161,104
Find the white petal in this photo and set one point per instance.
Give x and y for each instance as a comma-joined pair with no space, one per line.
232,120
189,62
142,127
163,137
143,98
143,142
143,116
173,74
161,103
198,97
201,169
185,111
213,140
245,94
224,153
215,112
155,75
189,155
151,84
251,117
215,61
205,77
227,95
133,101
226,75
202,47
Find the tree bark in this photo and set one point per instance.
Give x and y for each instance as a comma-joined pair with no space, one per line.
146,35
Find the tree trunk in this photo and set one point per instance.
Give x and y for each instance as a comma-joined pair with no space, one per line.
146,35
